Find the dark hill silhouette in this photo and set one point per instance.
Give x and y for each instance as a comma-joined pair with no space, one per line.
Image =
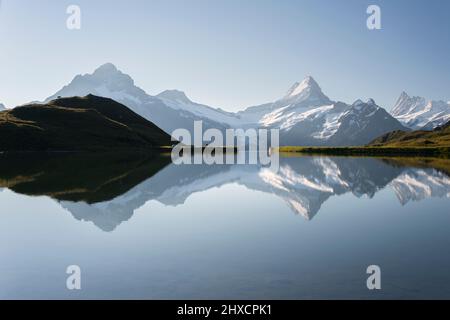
87,123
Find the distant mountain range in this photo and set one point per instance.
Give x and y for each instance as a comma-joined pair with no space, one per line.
305,115
418,113
2,107
88,123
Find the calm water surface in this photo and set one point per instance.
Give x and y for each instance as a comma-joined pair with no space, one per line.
145,228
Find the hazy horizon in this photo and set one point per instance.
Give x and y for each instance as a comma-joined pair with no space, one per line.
229,54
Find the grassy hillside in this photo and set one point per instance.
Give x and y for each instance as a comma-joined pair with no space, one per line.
78,124
439,137
396,143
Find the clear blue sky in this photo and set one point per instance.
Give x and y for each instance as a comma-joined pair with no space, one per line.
229,53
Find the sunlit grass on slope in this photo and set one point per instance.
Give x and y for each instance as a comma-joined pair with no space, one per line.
434,143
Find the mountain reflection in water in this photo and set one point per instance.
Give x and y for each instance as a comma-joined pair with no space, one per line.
107,189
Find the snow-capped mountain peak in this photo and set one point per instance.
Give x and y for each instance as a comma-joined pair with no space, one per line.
305,116
307,84
308,89
362,122
406,104
370,104
106,81
2,107
419,113
403,97
110,75
358,102
170,110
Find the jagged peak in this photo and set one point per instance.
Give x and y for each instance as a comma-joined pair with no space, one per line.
405,103
371,101
174,95
404,94
401,99
361,105
406,97
308,84
111,76
308,88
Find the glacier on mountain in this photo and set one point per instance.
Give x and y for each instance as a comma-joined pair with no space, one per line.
419,113
304,115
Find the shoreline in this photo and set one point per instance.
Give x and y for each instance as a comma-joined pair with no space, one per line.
368,151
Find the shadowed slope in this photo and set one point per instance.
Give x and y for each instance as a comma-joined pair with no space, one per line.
78,124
